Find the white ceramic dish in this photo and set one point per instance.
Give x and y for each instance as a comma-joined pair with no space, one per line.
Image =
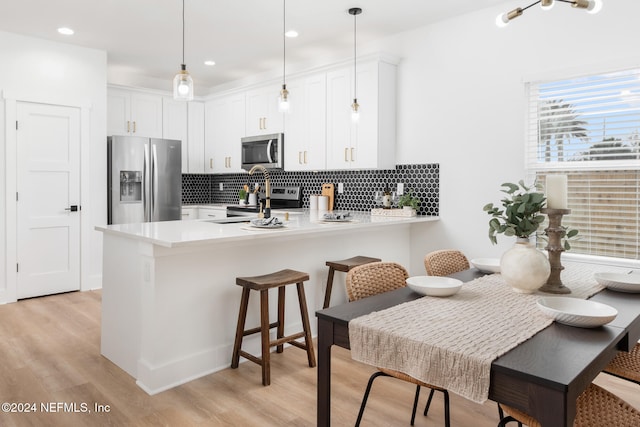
434,286
267,223
487,265
619,281
337,217
577,312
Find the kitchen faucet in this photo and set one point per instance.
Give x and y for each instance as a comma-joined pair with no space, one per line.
267,188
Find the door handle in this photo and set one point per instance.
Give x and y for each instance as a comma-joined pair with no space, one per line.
72,208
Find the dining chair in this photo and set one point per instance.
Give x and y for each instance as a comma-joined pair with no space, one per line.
595,407
372,279
445,262
626,365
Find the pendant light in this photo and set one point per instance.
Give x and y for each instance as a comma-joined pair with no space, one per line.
283,100
182,82
591,6
355,107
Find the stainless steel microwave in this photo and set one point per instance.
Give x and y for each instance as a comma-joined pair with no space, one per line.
265,150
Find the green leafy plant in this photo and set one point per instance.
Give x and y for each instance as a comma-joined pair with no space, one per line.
408,199
520,215
242,194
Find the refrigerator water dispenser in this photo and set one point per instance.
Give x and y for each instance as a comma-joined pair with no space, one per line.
131,186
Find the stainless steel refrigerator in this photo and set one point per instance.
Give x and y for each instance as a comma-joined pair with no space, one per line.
144,179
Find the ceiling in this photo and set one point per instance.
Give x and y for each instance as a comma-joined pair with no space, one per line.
142,38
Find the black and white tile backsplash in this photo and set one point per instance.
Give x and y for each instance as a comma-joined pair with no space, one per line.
359,186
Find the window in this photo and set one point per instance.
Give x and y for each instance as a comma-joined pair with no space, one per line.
588,128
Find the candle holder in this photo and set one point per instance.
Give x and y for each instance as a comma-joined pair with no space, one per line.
554,248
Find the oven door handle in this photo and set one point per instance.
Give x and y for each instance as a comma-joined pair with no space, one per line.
269,146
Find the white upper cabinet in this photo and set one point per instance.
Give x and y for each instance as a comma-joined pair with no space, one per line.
369,144
185,121
224,127
305,124
174,126
262,113
134,113
195,131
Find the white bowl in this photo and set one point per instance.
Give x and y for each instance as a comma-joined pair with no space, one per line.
619,281
577,312
434,286
487,265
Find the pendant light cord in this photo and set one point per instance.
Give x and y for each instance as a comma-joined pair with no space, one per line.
284,40
355,73
183,31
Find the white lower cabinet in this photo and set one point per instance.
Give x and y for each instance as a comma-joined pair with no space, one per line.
189,213
203,212
212,213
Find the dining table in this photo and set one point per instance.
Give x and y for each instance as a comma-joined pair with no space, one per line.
542,376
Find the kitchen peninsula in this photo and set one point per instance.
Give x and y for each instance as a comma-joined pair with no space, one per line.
169,299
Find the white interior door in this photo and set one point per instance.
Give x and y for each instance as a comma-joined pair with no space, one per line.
48,227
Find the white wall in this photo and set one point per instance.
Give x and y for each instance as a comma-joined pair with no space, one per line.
36,70
461,101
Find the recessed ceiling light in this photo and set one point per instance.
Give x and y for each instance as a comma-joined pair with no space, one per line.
66,31
210,63
291,33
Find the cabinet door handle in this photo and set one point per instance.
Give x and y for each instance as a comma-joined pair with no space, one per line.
128,126
305,157
299,157
210,163
228,162
134,126
352,159
346,153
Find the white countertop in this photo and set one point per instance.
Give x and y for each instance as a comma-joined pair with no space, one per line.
197,232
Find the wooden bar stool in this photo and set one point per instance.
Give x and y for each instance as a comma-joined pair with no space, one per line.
263,283
344,265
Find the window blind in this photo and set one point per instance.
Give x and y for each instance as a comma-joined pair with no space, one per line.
588,128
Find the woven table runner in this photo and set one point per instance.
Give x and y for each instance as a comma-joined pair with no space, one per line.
451,342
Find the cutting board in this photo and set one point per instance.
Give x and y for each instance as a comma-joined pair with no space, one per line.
329,191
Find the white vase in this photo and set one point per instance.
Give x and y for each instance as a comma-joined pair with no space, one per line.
524,267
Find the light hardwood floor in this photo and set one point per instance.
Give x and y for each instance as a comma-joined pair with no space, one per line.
50,353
